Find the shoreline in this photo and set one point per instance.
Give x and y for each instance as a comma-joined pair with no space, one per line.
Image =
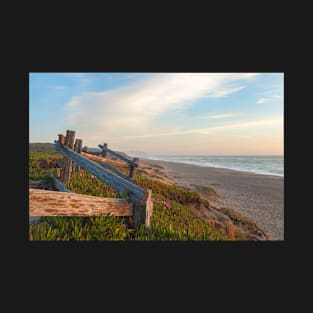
255,195
220,167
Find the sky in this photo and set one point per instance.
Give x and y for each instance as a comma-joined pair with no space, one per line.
161,113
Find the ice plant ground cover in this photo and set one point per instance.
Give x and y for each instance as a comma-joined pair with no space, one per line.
172,217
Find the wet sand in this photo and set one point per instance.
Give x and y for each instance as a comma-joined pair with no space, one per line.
260,197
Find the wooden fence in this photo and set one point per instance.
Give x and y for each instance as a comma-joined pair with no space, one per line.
133,164
138,203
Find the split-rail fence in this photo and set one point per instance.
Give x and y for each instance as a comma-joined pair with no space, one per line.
137,205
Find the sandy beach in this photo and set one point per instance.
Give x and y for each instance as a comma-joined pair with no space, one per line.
259,197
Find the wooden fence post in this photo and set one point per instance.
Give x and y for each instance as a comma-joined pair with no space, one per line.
143,211
77,148
67,163
133,168
57,172
62,142
104,152
62,139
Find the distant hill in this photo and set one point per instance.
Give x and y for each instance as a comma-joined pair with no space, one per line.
41,147
48,147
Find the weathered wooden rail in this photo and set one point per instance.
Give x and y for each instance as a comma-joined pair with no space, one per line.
138,202
55,203
58,185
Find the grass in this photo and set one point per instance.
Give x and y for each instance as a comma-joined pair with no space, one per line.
172,218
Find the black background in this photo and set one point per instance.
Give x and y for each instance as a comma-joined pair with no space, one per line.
232,272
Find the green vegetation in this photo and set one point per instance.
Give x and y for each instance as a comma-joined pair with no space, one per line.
169,192
172,218
79,228
39,159
87,184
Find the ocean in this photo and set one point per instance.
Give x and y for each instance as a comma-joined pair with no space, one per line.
268,165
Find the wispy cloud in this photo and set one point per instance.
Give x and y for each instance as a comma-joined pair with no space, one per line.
129,109
225,92
269,98
263,100
59,87
218,116
205,131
